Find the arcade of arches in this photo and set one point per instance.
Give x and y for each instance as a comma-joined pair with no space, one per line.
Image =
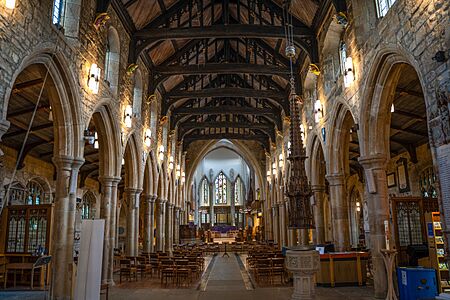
170,121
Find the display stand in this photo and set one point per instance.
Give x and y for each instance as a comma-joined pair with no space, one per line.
389,262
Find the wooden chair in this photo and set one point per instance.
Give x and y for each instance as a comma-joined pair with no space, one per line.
278,268
104,290
183,272
128,269
263,271
167,273
143,266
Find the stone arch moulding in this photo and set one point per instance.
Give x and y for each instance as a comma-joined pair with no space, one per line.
336,146
317,154
133,163
110,144
66,108
375,102
241,149
150,175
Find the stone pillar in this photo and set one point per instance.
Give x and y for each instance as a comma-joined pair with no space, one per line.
177,225
114,221
378,209
107,208
64,225
169,227
275,223
211,203
232,204
133,196
339,207
160,231
283,228
319,221
149,221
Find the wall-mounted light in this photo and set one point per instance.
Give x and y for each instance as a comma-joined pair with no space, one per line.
148,137
358,206
274,169
50,113
10,4
318,111
183,177
349,75
94,78
281,160
289,148
178,171
302,132
259,214
392,108
123,161
171,163
96,146
127,118
161,153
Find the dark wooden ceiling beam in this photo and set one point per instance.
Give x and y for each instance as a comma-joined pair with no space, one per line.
212,110
27,110
410,131
124,16
27,149
262,138
226,92
218,68
19,87
202,125
23,131
102,6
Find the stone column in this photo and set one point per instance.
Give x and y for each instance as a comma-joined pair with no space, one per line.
232,204
378,209
283,228
160,231
339,207
133,221
106,209
275,223
114,221
64,225
169,227
211,203
318,192
177,225
149,221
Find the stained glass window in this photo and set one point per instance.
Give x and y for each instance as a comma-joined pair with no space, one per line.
221,189
58,11
205,192
238,187
427,182
88,203
36,194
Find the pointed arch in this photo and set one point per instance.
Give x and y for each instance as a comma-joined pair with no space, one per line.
112,60
150,175
132,163
138,90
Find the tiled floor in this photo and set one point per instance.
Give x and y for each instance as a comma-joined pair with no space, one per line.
225,279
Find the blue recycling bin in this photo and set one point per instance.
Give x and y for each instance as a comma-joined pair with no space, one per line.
417,283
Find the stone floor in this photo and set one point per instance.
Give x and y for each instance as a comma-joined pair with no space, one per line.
225,278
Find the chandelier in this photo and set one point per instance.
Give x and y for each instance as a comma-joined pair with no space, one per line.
298,190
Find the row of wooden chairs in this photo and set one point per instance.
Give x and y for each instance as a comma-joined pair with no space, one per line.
267,270
130,267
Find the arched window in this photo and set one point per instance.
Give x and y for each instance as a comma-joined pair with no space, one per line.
137,94
427,183
205,192
221,189
87,205
342,56
383,6
238,191
58,12
112,61
36,193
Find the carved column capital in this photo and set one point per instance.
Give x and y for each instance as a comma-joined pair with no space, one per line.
336,179
373,162
63,162
109,180
318,188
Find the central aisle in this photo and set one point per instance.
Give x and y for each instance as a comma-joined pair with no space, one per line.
225,275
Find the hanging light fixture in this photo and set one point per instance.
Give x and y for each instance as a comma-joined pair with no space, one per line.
10,4
161,153
392,108
148,137
128,116
298,190
50,114
94,78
